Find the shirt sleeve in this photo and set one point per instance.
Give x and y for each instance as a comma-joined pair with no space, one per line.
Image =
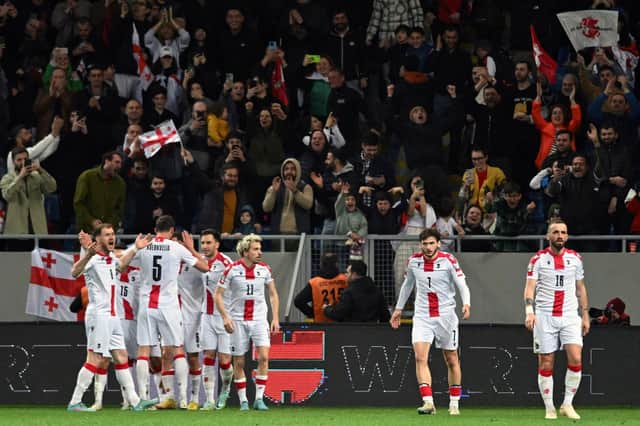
407,287
225,279
532,268
186,256
579,269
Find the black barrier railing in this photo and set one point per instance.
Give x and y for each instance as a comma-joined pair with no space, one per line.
349,365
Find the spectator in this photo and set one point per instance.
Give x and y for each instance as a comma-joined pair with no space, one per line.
154,202
388,14
24,189
372,168
168,75
446,224
413,88
235,153
86,47
325,289
613,171
473,226
331,131
563,151
233,97
632,203
313,159
580,203
64,16
247,223
217,124
202,61
346,47
60,59
479,181
51,101
239,47
133,114
100,194
560,120
350,221
362,301
266,147
397,52
166,37
221,198
346,105
612,315
137,183
194,136
159,112
512,216
41,150
419,48
289,200
317,85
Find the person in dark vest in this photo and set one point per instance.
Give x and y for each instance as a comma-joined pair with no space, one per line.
324,289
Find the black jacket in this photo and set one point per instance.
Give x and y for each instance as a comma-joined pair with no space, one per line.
580,202
362,301
347,53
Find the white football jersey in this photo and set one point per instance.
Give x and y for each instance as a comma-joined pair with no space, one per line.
100,278
160,266
191,292
217,265
246,286
435,281
556,276
128,293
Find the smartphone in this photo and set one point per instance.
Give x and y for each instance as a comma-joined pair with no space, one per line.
229,77
273,45
28,162
419,184
314,59
200,115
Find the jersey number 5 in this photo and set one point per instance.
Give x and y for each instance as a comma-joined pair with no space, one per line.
156,271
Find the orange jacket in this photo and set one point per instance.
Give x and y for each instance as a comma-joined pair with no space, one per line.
326,292
548,130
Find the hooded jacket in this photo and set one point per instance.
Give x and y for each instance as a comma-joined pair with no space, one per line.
290,212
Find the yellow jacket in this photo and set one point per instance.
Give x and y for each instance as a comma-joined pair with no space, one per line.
475,194
217,128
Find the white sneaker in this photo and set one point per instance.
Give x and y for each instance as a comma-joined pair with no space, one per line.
427,408
125,406
454,410
96,406
569,411
183,405
551,414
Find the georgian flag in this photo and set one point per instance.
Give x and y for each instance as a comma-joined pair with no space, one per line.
544,62
146,78
154,140
278,85
51,286
590,28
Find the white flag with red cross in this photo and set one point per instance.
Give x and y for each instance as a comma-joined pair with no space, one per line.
154,140
590,28
146,77
51,286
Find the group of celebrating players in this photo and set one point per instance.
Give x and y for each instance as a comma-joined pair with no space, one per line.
185,301
167,303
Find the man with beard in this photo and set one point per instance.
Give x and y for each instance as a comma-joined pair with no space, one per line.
289,200
555,282
41,150
100,194
346,48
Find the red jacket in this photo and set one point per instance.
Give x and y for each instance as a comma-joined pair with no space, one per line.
633,207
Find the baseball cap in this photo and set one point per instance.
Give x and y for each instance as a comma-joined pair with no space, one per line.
166,51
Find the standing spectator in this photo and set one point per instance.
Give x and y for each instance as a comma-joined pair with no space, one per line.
194,136
86,47
124,25
158,113
446,224
478,181
51,101
64,16
346,47
563,152
473,226
560,120
41,150
235,153
266,147
512,215
372,168
325,289
289,199
167,35
168,75
239,46
362,301
154,202
388,14
137,183
317,85
580,203
133,113
24,190
346,105
350,222
233,97
313,159
100,194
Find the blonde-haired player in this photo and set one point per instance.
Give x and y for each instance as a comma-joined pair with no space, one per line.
245,316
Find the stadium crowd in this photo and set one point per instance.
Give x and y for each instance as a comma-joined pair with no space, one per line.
330,117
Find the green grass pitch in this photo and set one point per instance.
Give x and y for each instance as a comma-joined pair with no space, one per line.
36,415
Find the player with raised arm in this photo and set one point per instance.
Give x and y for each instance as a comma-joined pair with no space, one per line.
557,311
246,316
435,274
191,294
159,312
215,339
104,332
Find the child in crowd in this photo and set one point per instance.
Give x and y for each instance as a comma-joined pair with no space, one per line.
247,223
512,215
446,224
